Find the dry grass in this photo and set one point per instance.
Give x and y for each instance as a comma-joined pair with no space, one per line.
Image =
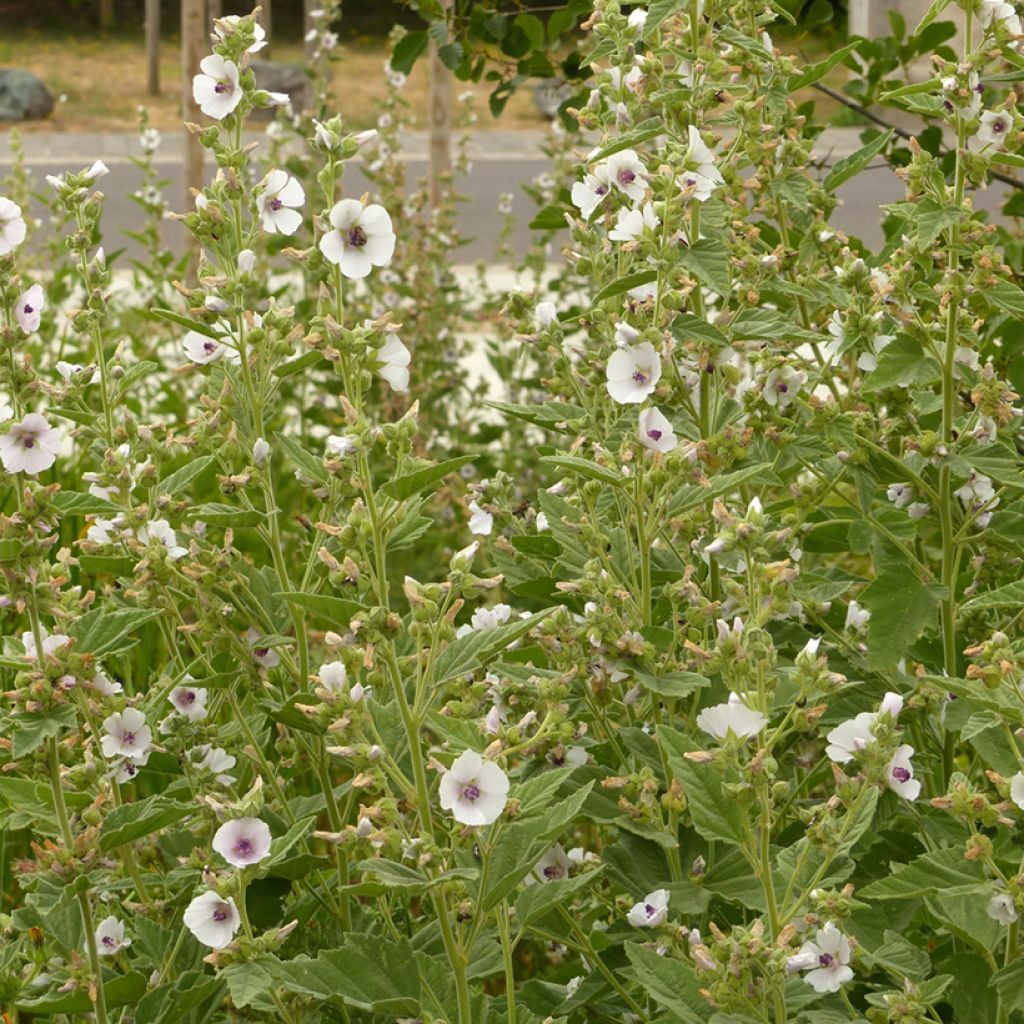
101,81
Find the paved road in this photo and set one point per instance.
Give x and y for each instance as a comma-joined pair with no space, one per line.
502,162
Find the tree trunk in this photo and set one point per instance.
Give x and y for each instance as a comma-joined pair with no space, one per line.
440,122
264,18
214,9
106,15
153,47
193,49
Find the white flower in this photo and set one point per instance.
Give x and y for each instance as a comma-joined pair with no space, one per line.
542,522
246,261
127,768
900,495
999,12
633,373
1017,790
216,90
978,494
701,175
259,32
159,531
362,238
918,510
627,172
474,790
278,205
827,959
217,761
857,618
202,349
334,676
631,223
51,643
553,865
892,705
656,432
651,911
96,171
732,718
899,775
480,520
490,618
30,446
12,226
625,335
126,734
783,385
1001,908
260,451
212,920
589,193
849,738
149,140
103,684
340,445
189,701
637,18
394,358
110,937
28,308
243,841
994,128
69,371
545,315
265,656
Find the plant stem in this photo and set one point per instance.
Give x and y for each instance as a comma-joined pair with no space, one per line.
506,952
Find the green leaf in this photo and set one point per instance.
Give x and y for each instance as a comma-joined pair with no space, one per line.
308,465
77,504
585,468
902,608
1005,296
112,565
247,980
538,545
102,632
853,164
367,973
669,982
122,990
625,284
465,654
218,513
168,315
938,872
687,327
932,219
902,362
300,364
815,72
338,611
421,479
175,1001
408,50
637,136
671,684
934,10
551,218
177,481
1009,983
708,260
901,957
32,730
1009,596
538,900
129,822
549,415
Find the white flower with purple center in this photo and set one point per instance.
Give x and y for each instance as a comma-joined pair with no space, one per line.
900,495
127,768
979,496
30,446
243,841
189,701
212,919
851,737
279,203
28,309
12,226
650,911
474,790
217,761
265,656
125,734
899,775
110,937
826,960
554,865
733,718
217,90
1001,908
633,373
159,531
362,238
656,432
202,349
783,385
631,224
626,171
394,359
340,445
591,192
994,128
51,642
701,175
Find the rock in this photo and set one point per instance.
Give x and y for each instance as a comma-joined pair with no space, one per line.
275,76
23,96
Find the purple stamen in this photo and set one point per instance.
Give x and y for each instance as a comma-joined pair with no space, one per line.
243,847
186,696
552,871
356,236
901,774
221,913
222,87
28,308
129,739
626,177
783,388
275,204
826,960
649,910
471,792
639,376
29,442
209,347
654,435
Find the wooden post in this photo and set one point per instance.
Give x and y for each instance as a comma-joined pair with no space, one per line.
153,46
193,49
265,19
440,121
106,15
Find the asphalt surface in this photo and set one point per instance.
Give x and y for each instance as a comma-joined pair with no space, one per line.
502,162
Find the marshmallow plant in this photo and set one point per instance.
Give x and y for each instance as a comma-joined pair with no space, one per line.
701,703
